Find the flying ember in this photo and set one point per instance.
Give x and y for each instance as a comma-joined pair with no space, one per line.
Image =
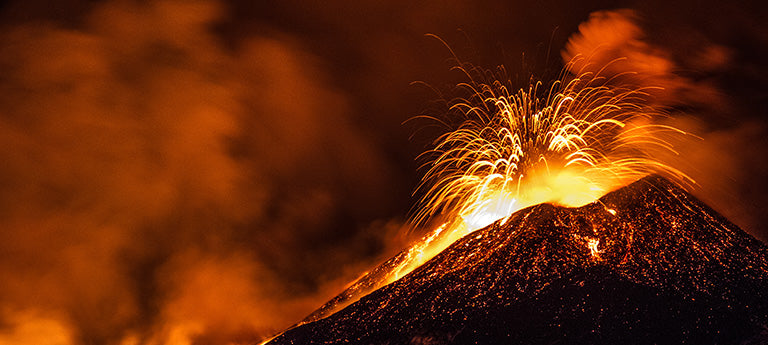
567,144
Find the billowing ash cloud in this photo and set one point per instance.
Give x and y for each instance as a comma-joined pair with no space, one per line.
154,182
685,77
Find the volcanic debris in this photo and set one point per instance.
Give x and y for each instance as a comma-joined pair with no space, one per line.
648,263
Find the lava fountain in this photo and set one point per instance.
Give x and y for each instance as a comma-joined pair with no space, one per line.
585,136
567,144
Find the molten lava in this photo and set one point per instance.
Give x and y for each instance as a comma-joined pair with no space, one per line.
663,268
586,136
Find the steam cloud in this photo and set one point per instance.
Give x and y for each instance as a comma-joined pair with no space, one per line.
153,178
722,160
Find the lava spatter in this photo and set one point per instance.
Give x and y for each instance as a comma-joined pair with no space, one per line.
585,136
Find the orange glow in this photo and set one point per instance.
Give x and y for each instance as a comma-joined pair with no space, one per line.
586,138
30,328
592,244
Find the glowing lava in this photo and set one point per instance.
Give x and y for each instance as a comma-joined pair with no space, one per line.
665,263
584,137
592,244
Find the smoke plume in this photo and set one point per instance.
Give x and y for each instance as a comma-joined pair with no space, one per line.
685,78
159,187
164,183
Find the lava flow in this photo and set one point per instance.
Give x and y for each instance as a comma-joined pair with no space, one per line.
585,136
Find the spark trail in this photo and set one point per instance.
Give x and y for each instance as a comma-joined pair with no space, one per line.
568,144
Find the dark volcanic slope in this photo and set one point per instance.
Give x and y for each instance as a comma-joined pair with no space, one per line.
668,269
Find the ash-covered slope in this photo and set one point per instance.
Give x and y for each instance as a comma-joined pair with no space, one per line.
648,263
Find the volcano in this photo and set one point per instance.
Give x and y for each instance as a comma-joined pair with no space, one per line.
648,263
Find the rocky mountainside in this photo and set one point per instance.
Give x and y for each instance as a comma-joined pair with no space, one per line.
648,263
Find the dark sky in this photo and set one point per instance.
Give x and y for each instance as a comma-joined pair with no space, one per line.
372,52
154,147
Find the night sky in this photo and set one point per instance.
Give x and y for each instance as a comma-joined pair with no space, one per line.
216,170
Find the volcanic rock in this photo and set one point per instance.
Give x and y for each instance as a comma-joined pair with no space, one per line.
645,264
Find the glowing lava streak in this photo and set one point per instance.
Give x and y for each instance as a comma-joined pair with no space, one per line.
587,136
